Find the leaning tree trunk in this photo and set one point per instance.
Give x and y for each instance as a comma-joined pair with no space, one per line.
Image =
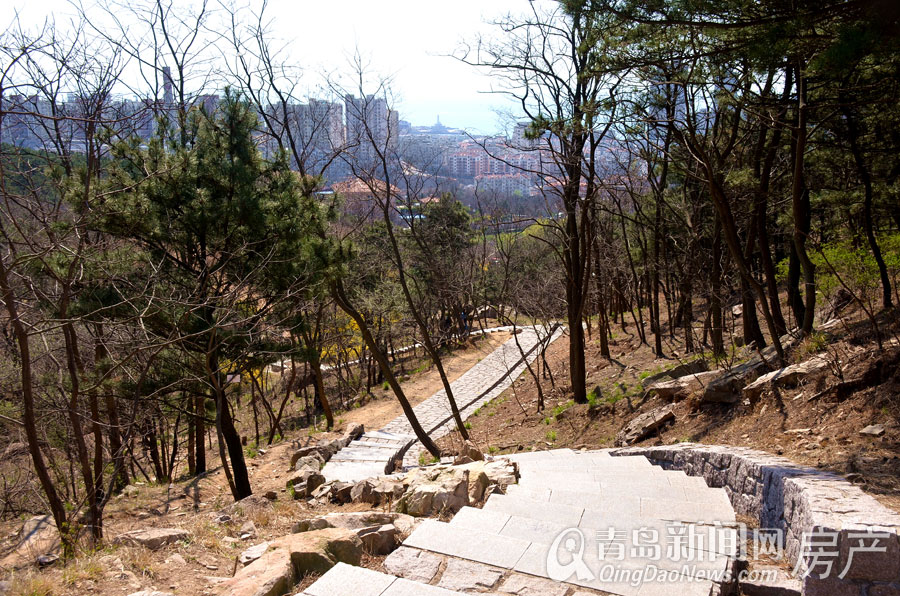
340,298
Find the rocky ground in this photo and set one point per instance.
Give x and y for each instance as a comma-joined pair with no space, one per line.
197,532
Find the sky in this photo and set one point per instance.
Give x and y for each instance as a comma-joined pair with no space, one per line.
406,40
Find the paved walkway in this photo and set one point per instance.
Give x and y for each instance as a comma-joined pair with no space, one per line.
369,455
577,524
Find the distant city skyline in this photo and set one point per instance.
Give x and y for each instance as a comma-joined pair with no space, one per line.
408,42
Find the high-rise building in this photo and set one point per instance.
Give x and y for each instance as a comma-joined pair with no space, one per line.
372,128
168,95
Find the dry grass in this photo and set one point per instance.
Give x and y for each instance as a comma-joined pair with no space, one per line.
85,568
139,560
32,583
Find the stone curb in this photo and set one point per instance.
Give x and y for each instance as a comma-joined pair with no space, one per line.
798,500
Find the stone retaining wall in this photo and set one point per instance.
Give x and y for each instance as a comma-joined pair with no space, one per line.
798,500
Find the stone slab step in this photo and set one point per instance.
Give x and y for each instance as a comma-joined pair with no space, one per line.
376,444
351,471
482,547
721,540
589,464
638,489
543,455
711,506
568,516
378,435
532,558
620,577
346,580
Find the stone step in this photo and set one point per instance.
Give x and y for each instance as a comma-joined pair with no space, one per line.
721,540
346,580
590,464
532,558
482,547
352,471
710,506
659,489
569,516
379,435
377,445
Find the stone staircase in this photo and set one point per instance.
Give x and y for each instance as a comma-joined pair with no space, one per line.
365,457
621,517
369,455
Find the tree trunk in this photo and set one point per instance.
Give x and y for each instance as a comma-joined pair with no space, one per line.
29,420
340,297
800,206
863,171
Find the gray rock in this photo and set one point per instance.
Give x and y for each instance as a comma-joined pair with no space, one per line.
379,540
376,491
38,536
152,538
354,431
253,553
248,530
683,386
435,490
413,564
473,452
342,492
305,483
788,376
646,424
313,463
873,430
303,452
151,593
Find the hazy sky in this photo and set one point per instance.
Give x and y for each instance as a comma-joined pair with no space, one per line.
405,39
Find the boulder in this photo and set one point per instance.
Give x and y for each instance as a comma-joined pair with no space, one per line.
305,483
272,574
292,557
245,505
303,452
683,386
435,491
728,388
788,376
323,491
313,462
376,491
37,537
682,370
379,540
873,430
646,424
354,431
472,452
341,492
152,538
356,521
